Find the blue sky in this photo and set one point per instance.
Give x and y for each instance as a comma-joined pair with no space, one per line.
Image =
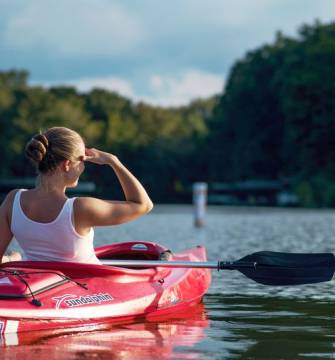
161,52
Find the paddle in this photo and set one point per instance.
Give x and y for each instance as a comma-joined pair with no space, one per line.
264,267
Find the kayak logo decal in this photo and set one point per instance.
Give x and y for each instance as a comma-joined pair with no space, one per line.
71,300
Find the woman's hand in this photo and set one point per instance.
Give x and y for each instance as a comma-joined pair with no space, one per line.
100,157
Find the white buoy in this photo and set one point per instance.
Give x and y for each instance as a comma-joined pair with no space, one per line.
199,203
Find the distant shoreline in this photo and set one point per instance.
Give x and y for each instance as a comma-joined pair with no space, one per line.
227,209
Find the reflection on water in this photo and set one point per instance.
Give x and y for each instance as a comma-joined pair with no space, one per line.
161,339
245,320
241,327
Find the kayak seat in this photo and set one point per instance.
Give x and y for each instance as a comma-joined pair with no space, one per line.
143,250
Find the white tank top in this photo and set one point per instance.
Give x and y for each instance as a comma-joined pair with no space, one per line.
53,241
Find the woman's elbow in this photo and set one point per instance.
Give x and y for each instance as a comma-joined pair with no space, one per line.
146,207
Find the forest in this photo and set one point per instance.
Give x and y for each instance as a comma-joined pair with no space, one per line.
275,119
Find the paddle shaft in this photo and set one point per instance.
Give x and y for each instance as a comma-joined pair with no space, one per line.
219,265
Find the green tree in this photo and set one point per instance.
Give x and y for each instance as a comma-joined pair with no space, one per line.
276,116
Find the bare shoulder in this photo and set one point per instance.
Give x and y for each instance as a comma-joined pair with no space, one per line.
85,207
87,203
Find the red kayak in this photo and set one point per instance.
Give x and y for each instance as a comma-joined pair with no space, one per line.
50,295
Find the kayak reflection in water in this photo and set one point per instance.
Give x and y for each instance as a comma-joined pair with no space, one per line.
47,224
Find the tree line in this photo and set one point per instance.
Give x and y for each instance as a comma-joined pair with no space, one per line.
274,120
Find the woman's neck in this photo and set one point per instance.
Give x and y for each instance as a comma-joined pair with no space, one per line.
50,184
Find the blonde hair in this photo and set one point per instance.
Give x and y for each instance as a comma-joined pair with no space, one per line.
49,148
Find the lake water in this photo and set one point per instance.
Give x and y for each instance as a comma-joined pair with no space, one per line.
238,318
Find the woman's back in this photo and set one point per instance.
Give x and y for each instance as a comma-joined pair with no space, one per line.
42,208
45,235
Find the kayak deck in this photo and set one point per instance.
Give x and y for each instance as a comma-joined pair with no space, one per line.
45,295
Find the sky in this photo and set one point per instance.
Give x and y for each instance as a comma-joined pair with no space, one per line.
165,53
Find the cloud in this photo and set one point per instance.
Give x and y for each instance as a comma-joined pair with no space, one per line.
224,13
121,86
67,39
75,27
181,89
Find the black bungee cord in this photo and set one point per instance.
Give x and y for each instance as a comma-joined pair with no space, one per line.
20,275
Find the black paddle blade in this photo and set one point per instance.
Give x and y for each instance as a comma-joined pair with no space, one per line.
276,268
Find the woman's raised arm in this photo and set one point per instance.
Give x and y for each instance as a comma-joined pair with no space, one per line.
96,212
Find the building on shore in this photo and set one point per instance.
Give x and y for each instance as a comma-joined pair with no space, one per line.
252,192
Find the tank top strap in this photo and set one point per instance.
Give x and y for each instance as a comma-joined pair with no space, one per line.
16,200
16,207
69,209
70,202
17,197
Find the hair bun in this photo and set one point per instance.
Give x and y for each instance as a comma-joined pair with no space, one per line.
42,139
37,147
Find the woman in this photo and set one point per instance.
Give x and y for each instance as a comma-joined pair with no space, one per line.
47,224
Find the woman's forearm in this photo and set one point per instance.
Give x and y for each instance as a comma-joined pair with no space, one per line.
132,188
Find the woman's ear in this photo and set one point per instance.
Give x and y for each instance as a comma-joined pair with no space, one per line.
66,165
